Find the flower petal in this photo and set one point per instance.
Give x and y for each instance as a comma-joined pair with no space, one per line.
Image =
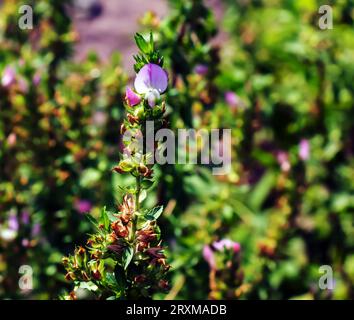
152,97
8,77
208,256
131,97
151,76
228,244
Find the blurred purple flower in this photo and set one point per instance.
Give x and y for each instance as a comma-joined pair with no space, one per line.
228,244
13,222
201,69
304,149
151,81
232,99
12,139
25,242
283,160
36,230
23,85
83,206
131,97
37,79
8,77
25,217
208,256
99,118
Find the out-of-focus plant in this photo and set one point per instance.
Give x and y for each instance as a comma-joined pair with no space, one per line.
54,117
225,277
125,259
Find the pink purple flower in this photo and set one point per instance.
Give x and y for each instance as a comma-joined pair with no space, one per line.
25,217
201,69
131,97
208,256
304,149
151,81
283,160
11,139
232,99
36,79
36,229
8,77
83,206
227,244
13,222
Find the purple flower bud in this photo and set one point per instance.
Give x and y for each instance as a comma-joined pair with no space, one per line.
36,230
208,256
201,69
131,97
99,118
12,139
25,217
283,160
151,81
8,77
36,79
227,244
13,222
83,206
23,85
232,99
304,149
25,242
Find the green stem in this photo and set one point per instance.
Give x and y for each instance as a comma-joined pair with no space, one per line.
137,195
137,207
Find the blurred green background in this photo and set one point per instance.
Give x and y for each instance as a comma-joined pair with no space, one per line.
261,68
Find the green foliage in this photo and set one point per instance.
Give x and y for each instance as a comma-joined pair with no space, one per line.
290,213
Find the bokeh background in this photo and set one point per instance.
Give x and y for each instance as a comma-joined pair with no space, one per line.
262,68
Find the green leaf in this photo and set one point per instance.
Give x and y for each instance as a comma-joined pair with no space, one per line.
154,213
88,285
151,42
141,43
126,165
111,216
111,280
142,196
260,193
104,218
127,256
119,275
91,219
146,184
